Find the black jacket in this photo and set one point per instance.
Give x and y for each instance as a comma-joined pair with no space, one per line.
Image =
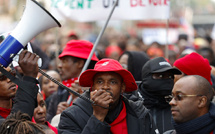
170,132
162,118
161,115
79,119
57,97
160,110
25,99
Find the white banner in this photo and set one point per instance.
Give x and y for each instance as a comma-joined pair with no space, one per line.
150,35
94,10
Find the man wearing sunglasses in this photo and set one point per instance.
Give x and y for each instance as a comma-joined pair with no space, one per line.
191,107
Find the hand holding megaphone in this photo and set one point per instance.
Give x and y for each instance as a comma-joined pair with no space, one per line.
28,63
16,58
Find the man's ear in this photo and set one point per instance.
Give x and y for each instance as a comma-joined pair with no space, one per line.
203,102
81,63
123,87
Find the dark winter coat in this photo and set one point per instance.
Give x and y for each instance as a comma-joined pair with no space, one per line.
79,119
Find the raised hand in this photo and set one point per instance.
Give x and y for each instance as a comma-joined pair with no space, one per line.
28,63
102,100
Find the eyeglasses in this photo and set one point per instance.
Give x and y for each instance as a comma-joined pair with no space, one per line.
3,77
178,97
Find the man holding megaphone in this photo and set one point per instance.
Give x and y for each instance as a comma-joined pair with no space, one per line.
26,30
25,97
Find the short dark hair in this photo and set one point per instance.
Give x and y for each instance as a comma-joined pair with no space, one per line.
183,37
210,50
91,64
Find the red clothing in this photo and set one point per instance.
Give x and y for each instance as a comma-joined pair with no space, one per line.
68,83
4,112
44,96
52,128
119,125
211,132
49,125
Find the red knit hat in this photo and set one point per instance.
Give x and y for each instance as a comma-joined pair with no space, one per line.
194,64
108,65
78,48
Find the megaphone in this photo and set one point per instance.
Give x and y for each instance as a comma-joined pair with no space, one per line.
35,19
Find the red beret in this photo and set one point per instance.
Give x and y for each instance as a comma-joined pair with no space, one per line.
194,64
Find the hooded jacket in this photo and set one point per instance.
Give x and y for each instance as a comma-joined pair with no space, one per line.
79,119
136,61
159,109
60,95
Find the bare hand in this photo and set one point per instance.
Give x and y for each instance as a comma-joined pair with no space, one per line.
28,63
100,98
77,88
61,107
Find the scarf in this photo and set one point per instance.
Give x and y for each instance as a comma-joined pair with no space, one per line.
4,112
201,125
68,83
119,125
44,96
151,100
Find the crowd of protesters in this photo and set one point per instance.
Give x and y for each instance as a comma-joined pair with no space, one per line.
131,88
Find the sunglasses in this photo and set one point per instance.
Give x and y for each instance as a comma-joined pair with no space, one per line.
178,97
3,77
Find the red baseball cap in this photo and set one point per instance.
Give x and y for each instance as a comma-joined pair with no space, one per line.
108,65
78,48
194,64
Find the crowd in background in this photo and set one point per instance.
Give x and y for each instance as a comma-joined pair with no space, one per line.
155,84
